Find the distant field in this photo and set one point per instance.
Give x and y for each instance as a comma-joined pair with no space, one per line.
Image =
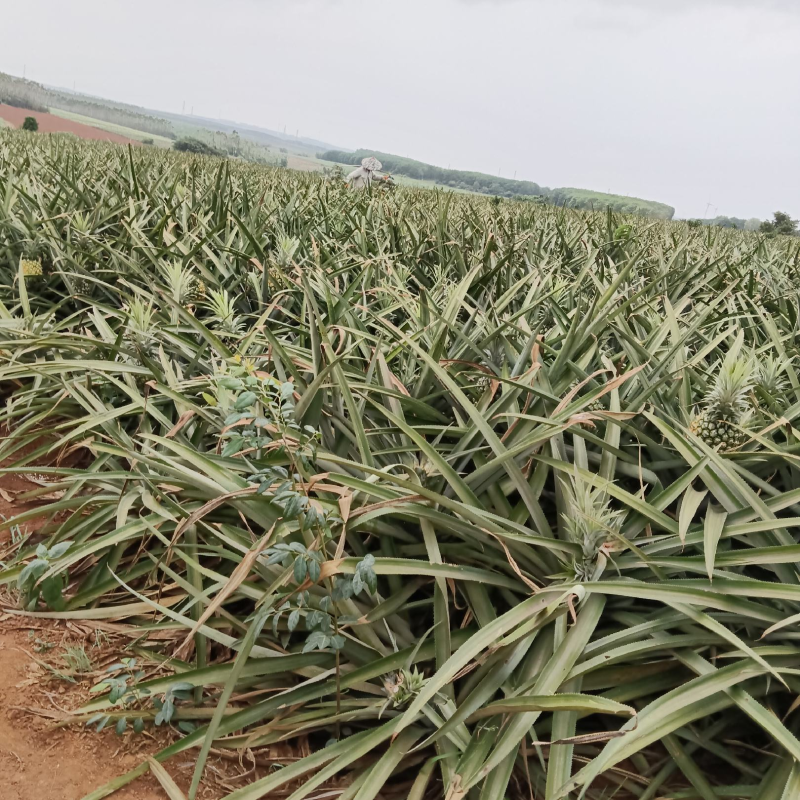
121,130
306,163
50,123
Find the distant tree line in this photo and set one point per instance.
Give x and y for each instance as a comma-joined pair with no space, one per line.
227,146
11,98
621,204
503,187
738,223
28,94
188,144
781,224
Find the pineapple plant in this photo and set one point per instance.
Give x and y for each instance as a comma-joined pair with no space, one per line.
771,386
140,328
726,406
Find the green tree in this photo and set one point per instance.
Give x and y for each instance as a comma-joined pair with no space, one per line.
781,224
30,124
189,144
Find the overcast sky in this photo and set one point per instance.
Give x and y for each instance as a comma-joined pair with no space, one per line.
682,101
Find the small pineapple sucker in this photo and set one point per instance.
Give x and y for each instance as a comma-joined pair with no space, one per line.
403,686
140,328
726,407
771,376
425,471
182,285
590,522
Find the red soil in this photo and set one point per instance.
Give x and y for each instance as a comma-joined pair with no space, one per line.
49,123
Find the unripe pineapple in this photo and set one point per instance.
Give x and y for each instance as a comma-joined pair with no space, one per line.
623,233
726,408
83,286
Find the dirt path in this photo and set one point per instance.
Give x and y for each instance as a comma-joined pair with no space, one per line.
39,761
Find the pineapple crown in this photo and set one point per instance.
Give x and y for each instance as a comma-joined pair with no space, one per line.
285,248
733,383
495,354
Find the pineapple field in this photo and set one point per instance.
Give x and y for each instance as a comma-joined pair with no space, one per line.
457,497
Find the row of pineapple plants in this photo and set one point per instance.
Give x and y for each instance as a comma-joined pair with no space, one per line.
482,499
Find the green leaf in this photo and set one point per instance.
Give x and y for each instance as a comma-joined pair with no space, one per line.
690,502
712,530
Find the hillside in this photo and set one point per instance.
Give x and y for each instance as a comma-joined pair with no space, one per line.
249,141
587,199
270,147
504,187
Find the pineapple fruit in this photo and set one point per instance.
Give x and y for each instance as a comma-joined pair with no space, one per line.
726,407
31,268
